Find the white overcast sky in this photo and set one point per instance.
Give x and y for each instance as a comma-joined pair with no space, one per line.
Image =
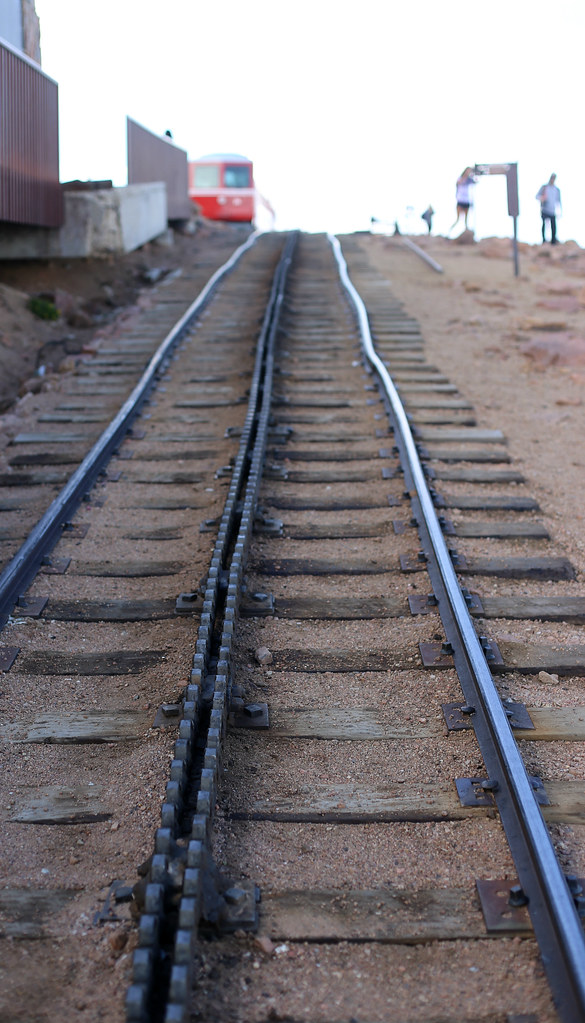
348,108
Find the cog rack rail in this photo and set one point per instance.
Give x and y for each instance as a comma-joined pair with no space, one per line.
183,872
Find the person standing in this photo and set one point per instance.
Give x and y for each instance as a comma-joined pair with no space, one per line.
463,196
549,197
427,216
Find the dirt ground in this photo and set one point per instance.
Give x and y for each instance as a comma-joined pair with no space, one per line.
86,296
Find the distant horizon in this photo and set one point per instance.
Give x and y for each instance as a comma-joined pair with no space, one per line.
476,241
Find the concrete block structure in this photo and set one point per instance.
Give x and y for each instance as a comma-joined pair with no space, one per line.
99,222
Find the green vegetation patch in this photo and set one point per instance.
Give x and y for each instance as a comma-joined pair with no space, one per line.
43,308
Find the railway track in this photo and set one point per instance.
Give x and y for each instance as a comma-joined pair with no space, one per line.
64,427
337,711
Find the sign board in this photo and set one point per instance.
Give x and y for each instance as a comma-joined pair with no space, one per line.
492,168
511,172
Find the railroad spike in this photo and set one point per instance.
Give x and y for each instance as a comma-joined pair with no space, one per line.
517,896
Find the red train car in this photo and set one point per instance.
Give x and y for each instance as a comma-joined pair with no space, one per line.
222,186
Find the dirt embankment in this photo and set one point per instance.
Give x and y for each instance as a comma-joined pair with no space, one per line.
76,303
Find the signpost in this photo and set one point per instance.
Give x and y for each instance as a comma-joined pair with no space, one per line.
511,172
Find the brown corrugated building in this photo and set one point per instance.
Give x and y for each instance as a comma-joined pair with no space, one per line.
30,192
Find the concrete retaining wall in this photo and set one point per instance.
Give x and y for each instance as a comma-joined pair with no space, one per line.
143,213
97,223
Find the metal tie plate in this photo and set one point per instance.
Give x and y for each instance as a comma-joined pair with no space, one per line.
434,655
8,655
459,716
501,915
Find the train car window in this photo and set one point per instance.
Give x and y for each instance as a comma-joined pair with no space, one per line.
236,177
206,176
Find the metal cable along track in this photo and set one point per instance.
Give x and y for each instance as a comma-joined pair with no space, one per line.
422,254
556,923
183,885
19,572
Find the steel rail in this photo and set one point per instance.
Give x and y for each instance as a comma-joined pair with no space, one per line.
195,775
23,567
556,923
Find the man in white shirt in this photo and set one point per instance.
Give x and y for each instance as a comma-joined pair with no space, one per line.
549,197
